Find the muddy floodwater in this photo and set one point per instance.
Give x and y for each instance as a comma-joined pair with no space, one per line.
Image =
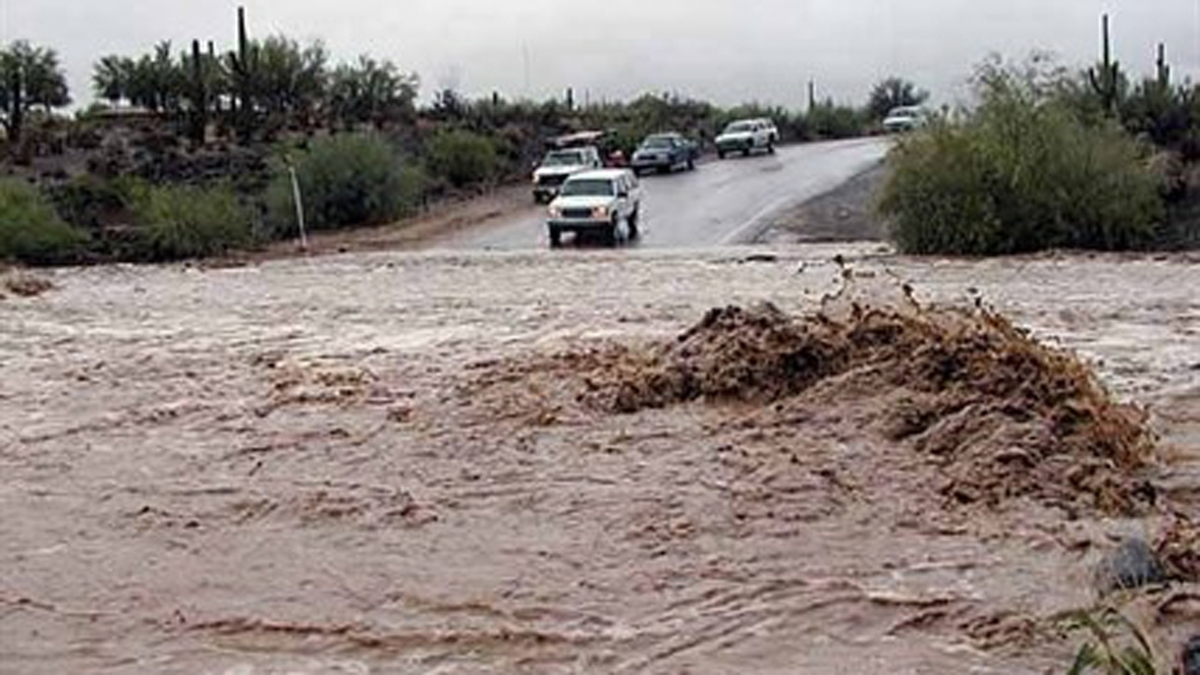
353,464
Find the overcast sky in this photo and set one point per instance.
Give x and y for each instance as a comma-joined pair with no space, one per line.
724,50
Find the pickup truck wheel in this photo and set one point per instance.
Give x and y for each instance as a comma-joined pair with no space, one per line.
691,164
720,154
770,147
555,237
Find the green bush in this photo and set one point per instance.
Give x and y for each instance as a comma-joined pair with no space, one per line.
345,180
1021,173
462,158
31,231
175,223
88,201
827,121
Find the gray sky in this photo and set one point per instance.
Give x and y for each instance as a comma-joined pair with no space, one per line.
725,50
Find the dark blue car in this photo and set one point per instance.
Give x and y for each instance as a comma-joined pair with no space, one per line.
665,152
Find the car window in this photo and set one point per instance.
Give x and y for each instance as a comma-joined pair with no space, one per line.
564,159
589,187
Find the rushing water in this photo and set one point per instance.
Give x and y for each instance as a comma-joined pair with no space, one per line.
290,468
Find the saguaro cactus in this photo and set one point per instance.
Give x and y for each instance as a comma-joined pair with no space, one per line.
1106,77
244,66
16,102
1162,69
199,95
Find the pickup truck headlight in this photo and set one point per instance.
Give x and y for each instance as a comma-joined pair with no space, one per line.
600,213
555,212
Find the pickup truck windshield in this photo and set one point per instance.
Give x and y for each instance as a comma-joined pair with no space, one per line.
658,142
588,187
563,159
739,128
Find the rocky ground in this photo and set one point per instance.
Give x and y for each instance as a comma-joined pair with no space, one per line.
558,463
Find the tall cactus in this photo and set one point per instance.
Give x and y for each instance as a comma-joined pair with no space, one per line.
199,96
1162,69
16,102
1106,77
244,68
212,79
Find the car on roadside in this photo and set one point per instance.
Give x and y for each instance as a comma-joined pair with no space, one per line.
558,166
906,118
747,136
664,153
606,203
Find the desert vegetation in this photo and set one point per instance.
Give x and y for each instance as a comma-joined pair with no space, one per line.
1050,158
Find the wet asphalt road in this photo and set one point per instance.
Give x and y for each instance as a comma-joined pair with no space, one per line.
722,202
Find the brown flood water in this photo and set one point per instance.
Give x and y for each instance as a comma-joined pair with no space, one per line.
340,465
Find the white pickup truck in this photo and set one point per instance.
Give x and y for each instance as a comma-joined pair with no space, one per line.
558,166
607,203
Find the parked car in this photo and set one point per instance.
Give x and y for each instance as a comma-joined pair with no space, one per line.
558,166
607,203
907,118
746,136
665,152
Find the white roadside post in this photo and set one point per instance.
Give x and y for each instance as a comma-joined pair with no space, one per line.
299,207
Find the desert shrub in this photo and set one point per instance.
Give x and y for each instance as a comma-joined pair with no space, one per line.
179,222
1160,113
831,121
88,201
462,158
345,180
1021,173
31,231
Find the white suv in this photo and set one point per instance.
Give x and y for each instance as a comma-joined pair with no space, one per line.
607,203
746,136
907,118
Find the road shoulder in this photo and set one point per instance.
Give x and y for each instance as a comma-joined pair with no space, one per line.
845,214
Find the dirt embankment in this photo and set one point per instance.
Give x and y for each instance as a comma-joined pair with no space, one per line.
1005,416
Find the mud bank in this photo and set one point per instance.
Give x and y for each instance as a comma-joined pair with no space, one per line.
351,465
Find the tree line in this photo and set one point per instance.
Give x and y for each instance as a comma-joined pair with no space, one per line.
263,86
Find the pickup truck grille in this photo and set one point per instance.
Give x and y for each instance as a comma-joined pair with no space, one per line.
578,214
551,181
